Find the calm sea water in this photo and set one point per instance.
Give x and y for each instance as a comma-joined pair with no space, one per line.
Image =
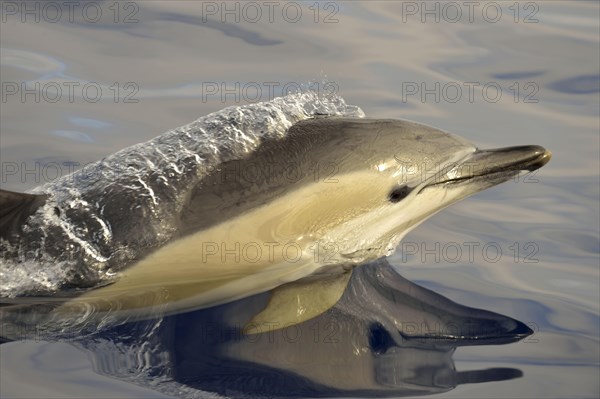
112,74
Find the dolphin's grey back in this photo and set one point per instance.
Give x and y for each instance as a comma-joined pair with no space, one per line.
102,218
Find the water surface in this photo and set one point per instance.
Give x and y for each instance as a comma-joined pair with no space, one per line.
535,81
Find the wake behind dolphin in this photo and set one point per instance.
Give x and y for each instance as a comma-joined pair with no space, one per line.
164,222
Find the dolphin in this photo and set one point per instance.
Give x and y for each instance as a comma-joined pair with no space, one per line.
293,214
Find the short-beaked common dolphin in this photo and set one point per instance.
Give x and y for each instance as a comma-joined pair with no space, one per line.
329,194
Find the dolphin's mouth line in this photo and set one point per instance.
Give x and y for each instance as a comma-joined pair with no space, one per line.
510,173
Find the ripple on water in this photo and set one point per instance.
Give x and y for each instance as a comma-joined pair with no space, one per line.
582,84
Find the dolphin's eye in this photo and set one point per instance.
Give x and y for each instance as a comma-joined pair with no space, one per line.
399,193
379,339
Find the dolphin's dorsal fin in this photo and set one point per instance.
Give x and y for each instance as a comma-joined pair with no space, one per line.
296,302
15,208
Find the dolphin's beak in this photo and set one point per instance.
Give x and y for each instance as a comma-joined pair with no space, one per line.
491,167
527,157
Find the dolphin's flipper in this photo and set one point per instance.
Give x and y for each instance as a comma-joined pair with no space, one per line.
299,301
15,208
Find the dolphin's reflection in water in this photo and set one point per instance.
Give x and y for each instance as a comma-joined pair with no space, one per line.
385,337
